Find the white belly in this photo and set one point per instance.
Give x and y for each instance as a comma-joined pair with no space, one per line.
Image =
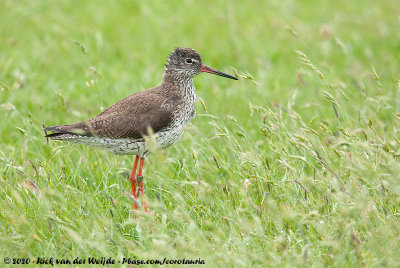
128,146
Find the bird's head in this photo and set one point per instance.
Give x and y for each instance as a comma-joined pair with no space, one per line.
188,61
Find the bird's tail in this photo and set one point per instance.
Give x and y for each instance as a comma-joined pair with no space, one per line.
65,132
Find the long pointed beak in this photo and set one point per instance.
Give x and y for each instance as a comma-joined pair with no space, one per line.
206,69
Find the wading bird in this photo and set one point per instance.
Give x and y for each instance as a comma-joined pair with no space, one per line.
161,112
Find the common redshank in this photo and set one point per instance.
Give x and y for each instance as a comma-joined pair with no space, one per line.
161,112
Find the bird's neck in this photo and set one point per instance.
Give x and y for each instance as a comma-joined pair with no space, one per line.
179,84
176,79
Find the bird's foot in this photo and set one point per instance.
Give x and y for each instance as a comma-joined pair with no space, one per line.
140,190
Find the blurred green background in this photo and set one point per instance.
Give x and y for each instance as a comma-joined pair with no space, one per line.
307,141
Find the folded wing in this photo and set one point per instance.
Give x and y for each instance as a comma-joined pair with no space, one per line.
129,118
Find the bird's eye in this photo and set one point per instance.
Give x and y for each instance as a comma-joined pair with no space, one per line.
189,60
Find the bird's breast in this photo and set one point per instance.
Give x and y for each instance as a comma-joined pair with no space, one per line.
186,108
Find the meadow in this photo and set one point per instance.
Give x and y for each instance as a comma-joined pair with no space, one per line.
295,164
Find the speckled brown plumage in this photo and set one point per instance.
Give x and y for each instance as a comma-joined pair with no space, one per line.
163,108
128,118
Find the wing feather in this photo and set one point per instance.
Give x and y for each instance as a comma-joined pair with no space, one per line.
129,118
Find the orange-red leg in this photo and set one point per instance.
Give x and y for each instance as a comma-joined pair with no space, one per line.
140,183
133,180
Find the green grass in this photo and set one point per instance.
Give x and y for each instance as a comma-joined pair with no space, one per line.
308,152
